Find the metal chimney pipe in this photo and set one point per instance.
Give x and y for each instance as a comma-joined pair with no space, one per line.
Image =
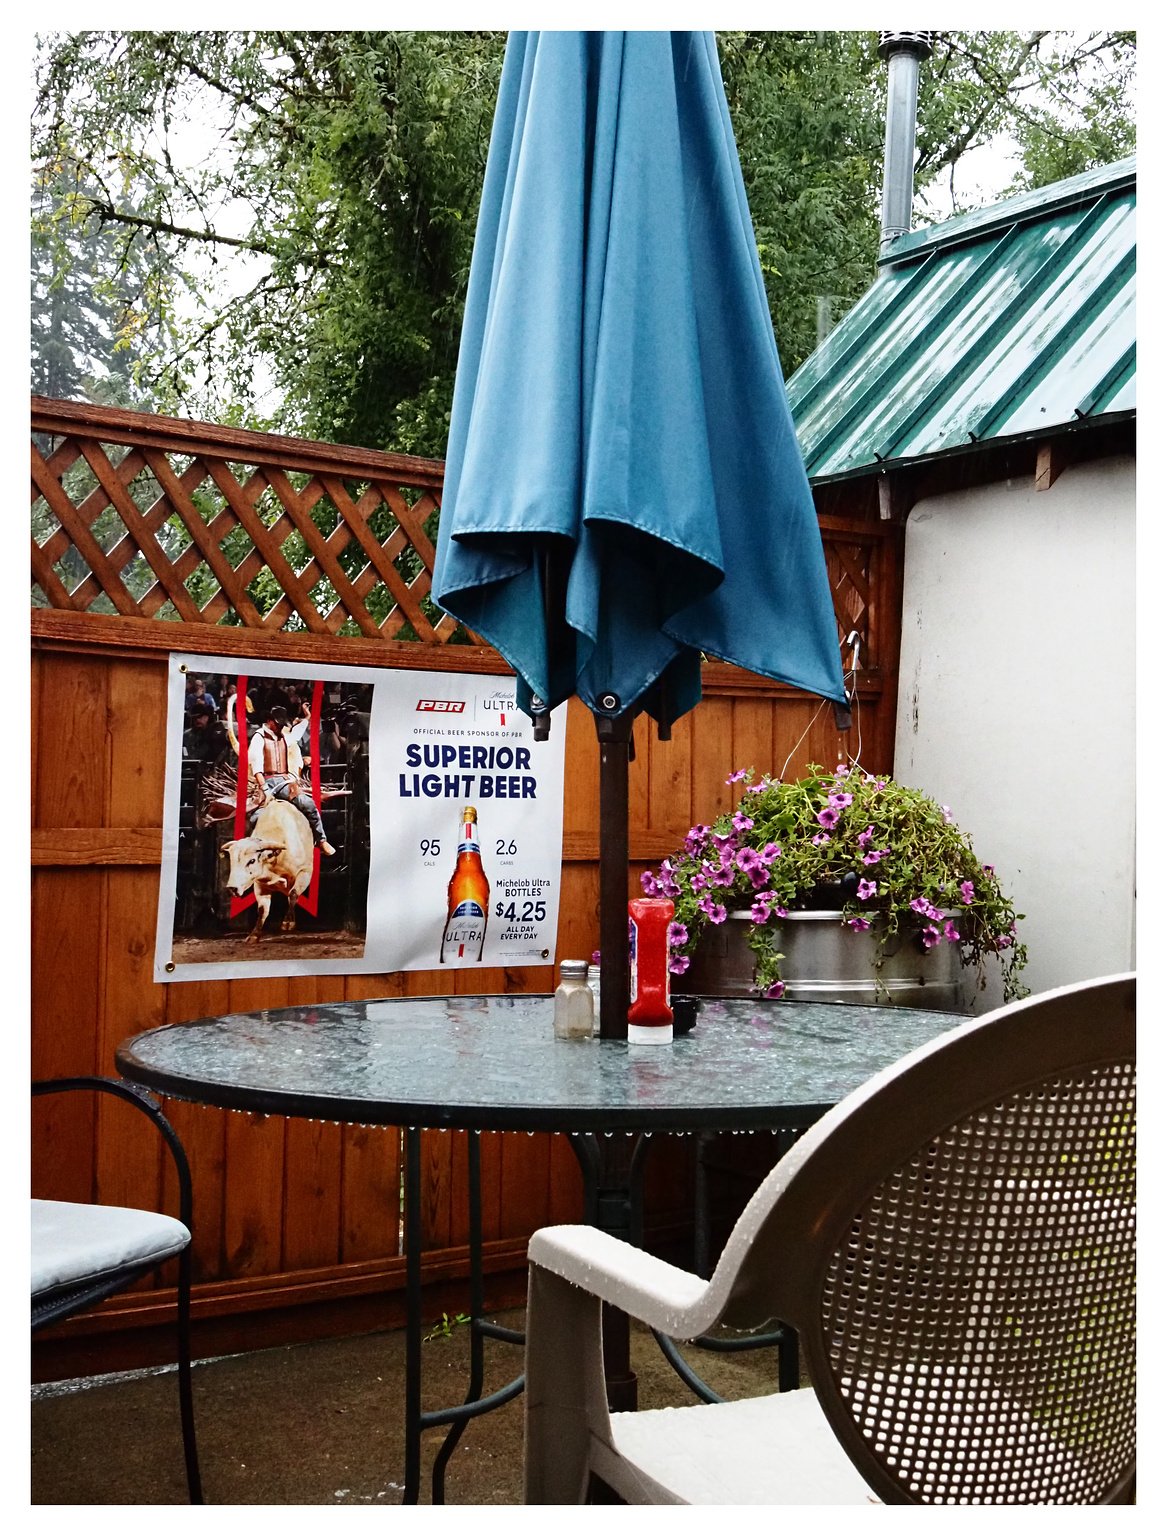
903,52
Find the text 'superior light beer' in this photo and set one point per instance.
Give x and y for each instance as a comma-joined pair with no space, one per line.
468,899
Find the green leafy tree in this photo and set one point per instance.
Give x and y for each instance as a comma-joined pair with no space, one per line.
335,177
91,295
1066,98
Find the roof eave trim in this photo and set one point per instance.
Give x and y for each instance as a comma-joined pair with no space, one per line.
1056,429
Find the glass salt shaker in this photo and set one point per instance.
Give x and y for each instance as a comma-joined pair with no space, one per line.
594,987
574,1005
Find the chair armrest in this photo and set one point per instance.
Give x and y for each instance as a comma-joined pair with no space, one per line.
669,1299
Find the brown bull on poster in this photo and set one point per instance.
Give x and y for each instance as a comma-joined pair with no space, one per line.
276,858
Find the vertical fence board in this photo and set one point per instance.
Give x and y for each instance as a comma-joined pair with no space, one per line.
712,760
525,1184
71,749
670,777
371,1192
311,1224
254,1194
66,965
753,738
566,1201
203,1132
130,1154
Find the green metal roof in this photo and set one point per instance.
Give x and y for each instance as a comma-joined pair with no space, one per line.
1013,321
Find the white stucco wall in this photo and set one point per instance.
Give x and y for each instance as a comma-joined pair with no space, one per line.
1017,700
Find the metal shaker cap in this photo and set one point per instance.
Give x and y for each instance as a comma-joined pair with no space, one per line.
573,970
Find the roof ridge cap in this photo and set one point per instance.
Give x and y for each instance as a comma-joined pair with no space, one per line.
1023,207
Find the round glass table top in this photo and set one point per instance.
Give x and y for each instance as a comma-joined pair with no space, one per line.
492,1063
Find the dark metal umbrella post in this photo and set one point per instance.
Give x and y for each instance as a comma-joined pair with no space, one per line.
614,735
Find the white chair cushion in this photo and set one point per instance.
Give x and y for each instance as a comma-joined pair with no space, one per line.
74,1243
760,1450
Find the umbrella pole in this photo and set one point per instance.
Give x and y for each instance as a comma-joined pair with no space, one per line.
614,734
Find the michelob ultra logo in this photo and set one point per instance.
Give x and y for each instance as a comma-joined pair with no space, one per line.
442,706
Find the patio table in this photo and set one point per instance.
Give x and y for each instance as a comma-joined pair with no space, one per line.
491,1063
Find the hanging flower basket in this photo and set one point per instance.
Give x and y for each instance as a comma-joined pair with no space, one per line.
833,857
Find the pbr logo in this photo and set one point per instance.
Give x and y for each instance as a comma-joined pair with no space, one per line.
442,706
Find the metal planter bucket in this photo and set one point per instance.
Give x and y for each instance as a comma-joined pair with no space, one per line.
827,962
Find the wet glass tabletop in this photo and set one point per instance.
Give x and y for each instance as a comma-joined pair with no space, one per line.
492,1063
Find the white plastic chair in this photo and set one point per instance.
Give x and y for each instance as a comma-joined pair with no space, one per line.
83,1253
954,1243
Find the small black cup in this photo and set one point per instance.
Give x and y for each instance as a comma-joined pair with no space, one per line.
684,1014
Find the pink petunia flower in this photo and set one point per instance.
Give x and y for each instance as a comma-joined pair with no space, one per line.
988,868
595,957
867,888
714,911
828,818
696,839
650,884
742,822
967,892
842,770
874,855
736,778
819,839
770,852
775,989
860,924
748,859
947,814
760,911
865,837
922,905
724,840
697,883
679,964
951,932
678,934
839,802
759,877
931,936
756,789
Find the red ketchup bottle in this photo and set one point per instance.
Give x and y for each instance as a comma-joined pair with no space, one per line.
650,1018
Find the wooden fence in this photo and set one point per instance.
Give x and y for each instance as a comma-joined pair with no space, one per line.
152,534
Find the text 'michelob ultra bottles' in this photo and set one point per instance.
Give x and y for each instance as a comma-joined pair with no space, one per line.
650,1016
467,899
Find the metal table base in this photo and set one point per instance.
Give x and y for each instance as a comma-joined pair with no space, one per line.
613,1167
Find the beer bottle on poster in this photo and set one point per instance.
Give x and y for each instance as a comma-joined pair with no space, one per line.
468,898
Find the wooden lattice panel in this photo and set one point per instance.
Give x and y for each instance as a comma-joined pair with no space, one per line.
849,562
152,517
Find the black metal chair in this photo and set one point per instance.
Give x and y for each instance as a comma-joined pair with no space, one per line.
83,1253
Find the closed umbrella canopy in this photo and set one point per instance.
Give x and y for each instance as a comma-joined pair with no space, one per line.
623,488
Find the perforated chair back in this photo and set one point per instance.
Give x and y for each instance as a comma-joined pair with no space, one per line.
955,1245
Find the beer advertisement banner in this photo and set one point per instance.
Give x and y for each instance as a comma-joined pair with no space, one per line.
319,821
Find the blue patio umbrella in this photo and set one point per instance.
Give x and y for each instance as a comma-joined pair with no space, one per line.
619,402
624,490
